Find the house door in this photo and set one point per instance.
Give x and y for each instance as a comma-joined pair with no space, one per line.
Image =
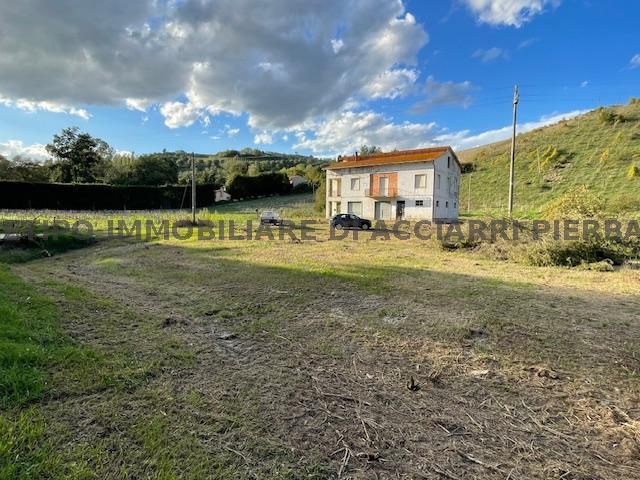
383,210
400,209
383,183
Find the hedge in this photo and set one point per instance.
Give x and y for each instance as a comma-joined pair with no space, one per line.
243,186
64,196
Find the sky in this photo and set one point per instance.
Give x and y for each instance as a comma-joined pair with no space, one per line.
319,77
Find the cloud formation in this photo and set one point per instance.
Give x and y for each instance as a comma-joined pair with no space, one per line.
292,62
491,54
635,61
34,106
444,93
514,13
344,133
13,148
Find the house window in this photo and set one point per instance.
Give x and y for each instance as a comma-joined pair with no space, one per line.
355,208
437,203
421,182
419,203
334,189
355,184
446,204
455,205
438,182
448,162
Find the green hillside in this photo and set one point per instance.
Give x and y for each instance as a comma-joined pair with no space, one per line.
600,150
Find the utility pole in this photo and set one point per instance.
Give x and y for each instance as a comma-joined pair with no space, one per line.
193,188
516,99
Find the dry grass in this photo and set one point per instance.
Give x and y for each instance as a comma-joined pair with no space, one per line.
350,359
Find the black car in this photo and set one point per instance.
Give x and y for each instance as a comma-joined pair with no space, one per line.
349,220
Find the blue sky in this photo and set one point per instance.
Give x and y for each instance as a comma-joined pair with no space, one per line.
322,78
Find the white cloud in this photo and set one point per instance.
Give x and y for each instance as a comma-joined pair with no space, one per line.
635,61
34,106
444,93
584,84
12,148
491,54
513,13
217,56
464,139
391,84
528,42
178,114
263,137
345,132
232,132
336,45
140,104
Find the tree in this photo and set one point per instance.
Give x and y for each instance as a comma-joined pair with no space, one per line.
78,156
145,170
365,150
233,167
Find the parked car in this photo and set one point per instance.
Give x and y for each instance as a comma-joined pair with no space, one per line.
270,218
349,220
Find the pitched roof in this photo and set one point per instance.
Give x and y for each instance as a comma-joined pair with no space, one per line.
390,158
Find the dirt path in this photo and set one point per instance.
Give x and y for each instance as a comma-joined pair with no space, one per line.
314,373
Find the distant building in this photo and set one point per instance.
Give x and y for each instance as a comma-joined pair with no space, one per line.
409,184
222,195
296,180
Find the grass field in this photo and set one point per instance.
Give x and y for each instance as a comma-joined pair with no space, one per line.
596,150
315,359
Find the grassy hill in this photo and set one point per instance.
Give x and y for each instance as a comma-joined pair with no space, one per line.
598,150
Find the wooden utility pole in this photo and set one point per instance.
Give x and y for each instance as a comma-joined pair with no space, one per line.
516,99
193,188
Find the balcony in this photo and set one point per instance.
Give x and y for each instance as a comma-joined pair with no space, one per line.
389,192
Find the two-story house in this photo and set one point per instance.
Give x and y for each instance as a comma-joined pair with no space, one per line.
409,184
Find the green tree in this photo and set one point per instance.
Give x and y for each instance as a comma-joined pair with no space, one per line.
233,167
366,150
79,156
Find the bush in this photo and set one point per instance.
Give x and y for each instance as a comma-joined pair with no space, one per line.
633,172
320,197
572,254
64,196
608,117
634,101
575,204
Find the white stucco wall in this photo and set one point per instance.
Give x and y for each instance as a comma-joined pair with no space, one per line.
406,190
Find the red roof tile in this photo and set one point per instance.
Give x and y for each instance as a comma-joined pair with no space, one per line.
390,158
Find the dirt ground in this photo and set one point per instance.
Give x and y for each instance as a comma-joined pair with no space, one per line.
352,359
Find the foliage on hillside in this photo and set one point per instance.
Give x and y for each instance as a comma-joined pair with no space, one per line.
599,150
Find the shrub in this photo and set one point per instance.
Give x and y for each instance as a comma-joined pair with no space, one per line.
244,186
633,171
606,116
575,204
571,254
634,101
320,197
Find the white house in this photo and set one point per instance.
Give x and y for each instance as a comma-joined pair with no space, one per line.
296,180
409,184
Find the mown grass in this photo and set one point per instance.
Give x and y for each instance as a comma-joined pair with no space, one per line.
31,341
587,150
